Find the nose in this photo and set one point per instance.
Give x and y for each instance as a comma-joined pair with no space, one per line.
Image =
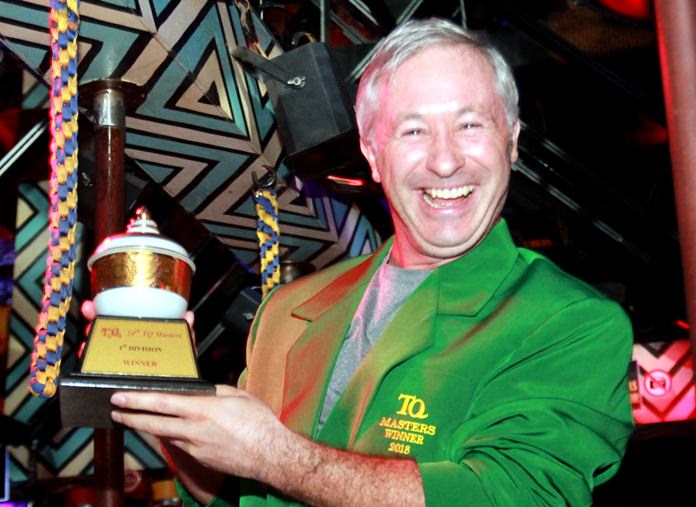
444,158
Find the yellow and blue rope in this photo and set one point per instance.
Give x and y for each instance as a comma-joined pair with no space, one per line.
268,234
64,22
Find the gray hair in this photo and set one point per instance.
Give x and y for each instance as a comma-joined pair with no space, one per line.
410,39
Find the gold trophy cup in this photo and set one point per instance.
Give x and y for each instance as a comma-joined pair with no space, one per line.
139,339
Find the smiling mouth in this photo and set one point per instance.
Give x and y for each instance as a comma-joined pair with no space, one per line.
446,197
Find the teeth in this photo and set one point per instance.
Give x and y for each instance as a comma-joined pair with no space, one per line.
449,193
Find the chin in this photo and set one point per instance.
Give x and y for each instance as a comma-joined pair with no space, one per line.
445,252
452,246
449,242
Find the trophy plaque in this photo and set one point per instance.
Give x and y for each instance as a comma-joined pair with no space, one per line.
139,339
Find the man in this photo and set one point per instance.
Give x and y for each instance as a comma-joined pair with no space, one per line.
448,368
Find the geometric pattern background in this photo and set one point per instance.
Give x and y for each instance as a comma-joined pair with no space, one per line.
205,125
204,128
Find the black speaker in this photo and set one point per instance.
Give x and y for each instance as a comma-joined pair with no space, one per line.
314,115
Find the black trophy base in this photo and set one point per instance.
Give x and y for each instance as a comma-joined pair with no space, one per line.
85,399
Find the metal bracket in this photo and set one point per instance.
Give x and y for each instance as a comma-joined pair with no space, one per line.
268,180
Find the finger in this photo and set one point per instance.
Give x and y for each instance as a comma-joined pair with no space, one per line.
179,444
190,318
225,390
88,310
172,428
183,446
158,403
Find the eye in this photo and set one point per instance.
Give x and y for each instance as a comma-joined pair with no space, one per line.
412,131
467,125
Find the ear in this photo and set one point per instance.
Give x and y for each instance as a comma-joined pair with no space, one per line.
369,153
513,141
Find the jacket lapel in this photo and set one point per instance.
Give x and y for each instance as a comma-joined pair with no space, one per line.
310,360
468,283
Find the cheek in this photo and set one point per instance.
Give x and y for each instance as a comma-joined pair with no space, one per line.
400,157
491,155
474,144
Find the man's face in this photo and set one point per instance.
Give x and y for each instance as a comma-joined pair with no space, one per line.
442,152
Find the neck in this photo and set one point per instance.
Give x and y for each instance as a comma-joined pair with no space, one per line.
399,258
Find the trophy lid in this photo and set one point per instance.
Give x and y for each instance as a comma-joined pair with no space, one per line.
142,234
142,223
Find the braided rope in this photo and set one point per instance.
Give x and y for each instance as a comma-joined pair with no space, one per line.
269,237
58,283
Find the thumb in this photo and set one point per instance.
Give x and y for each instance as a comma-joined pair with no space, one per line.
88,310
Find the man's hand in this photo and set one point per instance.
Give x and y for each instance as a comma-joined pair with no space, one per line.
235,433
232,432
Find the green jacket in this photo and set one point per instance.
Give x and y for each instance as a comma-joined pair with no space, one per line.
501,375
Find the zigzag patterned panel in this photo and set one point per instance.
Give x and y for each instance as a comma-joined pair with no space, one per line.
204,128
206,125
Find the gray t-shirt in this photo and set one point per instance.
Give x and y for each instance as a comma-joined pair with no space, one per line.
386,292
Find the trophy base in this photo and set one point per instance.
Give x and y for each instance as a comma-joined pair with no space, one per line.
85,399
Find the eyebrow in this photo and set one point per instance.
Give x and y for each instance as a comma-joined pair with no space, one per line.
409,117
420,116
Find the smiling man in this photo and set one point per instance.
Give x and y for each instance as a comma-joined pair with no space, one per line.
448,368
441,144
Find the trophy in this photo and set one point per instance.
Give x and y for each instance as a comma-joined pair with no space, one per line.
139,339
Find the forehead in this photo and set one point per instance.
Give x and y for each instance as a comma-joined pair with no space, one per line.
440,75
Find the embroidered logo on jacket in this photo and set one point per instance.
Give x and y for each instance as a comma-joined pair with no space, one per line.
412,406
403,433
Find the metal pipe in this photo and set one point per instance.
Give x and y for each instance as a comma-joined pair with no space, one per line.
676,31
110,126
324,20
109,448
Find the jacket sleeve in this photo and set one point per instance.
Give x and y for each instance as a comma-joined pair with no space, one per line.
550,422
222,500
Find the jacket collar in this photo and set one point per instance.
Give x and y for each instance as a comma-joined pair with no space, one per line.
354,281
488,263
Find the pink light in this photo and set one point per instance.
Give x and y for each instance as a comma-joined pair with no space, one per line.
351,182
639,9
